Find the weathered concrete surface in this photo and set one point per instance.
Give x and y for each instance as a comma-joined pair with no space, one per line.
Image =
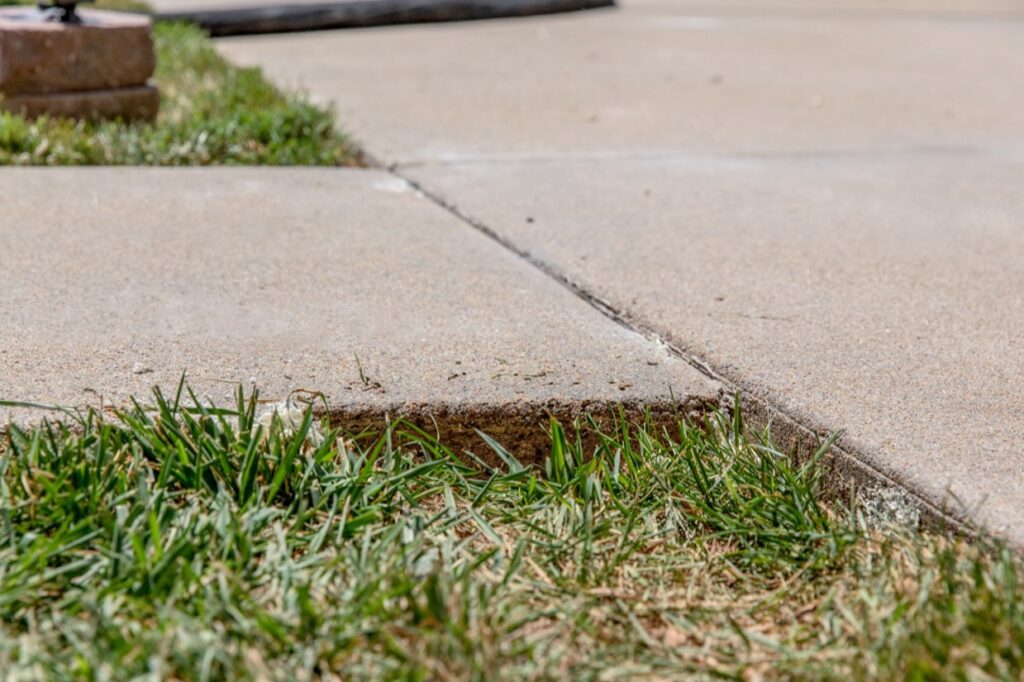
282,279
662,77
821,200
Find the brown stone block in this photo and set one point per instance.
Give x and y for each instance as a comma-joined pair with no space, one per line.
131,104
107,50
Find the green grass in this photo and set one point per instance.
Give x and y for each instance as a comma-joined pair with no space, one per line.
211,113
212,544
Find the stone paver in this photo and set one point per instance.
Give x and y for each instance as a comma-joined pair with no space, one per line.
820,200
97,67
283,278
111,50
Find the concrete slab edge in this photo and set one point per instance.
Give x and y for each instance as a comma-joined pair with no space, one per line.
520,426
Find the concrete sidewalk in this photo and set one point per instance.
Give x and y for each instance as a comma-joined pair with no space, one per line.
820,201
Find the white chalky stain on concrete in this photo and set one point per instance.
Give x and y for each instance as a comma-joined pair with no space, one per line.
393,185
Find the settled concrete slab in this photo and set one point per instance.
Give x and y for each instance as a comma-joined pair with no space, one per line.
879,295
340,281
656,78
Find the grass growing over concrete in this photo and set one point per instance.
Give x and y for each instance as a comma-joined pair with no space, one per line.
211,113
219,544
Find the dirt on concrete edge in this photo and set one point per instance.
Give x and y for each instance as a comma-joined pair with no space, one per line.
522,428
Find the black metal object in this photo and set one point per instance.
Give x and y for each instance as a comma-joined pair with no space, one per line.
366,13
64,11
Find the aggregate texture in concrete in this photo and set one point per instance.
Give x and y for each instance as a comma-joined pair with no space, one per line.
346,282
819,200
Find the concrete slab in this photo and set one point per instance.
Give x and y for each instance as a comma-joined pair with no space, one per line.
662,77
340,281
882,295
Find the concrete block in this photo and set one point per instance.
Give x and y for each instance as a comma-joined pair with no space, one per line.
107,50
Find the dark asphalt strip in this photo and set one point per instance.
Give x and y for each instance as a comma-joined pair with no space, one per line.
366,13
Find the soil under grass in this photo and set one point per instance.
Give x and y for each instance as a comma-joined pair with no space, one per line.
219,544
211,113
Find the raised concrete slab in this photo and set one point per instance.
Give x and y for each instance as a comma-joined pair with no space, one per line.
821,200
340,281
661,78
879,295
